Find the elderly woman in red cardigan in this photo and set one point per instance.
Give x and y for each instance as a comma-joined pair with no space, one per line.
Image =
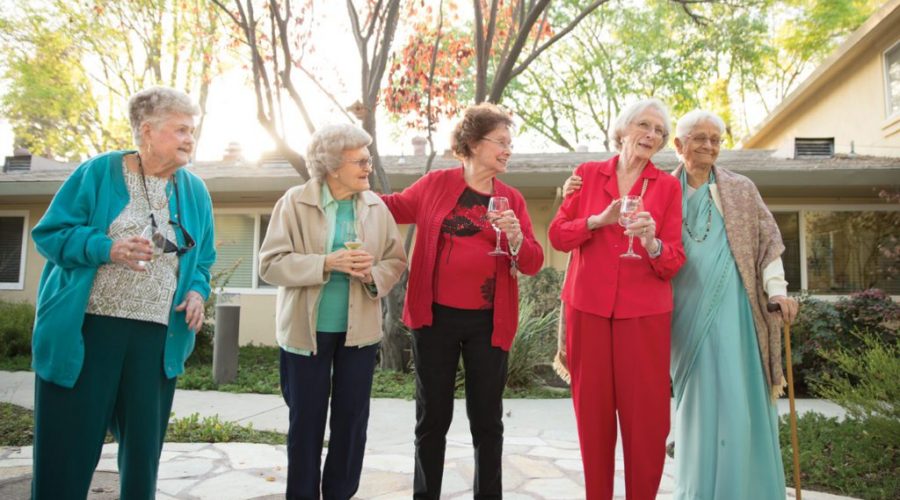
462,298
618,311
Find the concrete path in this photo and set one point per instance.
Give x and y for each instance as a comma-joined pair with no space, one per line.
541,457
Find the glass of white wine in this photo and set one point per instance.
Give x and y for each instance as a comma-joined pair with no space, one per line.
496,206
353,238
149,233
631,205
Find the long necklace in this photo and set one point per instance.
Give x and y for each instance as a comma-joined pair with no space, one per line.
684,221
147,192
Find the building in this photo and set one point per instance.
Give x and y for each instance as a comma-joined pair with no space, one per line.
803,189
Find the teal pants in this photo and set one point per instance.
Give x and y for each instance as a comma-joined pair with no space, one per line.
122,388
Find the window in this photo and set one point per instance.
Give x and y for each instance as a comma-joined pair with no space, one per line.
13,236
238,237
789,225
892,79
851,251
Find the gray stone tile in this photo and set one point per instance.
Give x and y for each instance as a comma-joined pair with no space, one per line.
236,485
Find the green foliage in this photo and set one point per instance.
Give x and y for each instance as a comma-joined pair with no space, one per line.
542,290
393,384
866,382
16,324
16,425
258,372
824,327
535,345
193,429
849,457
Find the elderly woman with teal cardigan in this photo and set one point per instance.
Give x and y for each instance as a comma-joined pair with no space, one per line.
726,348
129,245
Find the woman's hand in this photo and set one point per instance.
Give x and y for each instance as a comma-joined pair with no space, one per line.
193,304
131,251
609,215
789,307
356,263
644,228
509,224
571,185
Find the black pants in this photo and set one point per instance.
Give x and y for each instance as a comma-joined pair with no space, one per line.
436,351
344,373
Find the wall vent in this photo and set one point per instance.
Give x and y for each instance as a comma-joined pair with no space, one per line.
815,148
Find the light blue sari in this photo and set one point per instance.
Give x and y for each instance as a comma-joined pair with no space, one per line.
726,429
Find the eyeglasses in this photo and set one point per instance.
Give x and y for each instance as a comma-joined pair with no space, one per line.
702,139
648,127
362,163
505,145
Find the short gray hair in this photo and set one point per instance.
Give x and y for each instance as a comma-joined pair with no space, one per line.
154,104
631,112
325,152
687,122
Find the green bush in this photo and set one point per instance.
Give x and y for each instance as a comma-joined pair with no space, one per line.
849,457
535,344
866,382
542,290
16,425
825,327
16,323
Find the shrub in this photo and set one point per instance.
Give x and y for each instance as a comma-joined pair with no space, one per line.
866,382
818,327
871,310
849,457
535,344
542,290
16,323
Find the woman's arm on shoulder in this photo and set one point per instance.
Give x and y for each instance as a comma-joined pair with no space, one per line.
569,229
672,257
404,206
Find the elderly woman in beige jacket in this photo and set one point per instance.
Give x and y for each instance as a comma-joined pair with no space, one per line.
334,250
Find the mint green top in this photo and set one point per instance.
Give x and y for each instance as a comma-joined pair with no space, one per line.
335,298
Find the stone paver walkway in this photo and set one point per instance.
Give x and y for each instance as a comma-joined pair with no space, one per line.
541,457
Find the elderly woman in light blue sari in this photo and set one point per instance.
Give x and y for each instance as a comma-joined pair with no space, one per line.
726,349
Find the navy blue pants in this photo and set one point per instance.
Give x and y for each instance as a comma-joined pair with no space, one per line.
344,374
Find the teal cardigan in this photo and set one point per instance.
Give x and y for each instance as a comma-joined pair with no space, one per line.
72,237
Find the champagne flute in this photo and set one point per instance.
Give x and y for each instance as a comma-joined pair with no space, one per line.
496,206
351,236
631,205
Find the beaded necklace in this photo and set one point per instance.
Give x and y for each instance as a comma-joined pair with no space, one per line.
684,221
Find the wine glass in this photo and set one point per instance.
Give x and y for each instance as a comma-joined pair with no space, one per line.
631,205
496,206
351,236
151,234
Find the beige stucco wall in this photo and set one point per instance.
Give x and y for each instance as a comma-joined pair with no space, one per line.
850,107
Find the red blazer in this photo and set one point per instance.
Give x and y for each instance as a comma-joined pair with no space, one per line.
598,281
426,203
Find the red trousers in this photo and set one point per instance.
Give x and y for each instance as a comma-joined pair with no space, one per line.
620,367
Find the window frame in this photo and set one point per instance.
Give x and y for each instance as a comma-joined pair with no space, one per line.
257,214
802,209
23,259
888,112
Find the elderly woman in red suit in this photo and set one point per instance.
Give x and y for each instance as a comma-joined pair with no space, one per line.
618,311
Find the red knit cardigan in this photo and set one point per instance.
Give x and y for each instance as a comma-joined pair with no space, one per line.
426,204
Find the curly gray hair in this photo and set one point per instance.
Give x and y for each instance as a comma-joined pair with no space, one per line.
325,152
693,118
629,114
154,104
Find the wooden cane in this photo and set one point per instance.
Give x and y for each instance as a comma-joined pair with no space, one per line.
774,307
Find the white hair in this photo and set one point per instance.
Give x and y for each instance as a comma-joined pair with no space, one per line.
693,118
632,111
325,152
154,104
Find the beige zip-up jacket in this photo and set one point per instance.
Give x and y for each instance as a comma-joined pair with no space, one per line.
292,256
